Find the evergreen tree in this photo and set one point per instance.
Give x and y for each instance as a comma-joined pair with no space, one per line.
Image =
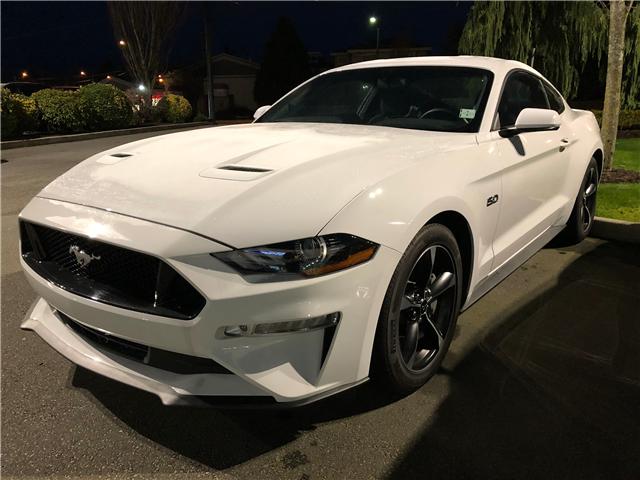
285,64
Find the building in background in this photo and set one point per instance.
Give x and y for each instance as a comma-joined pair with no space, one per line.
355,55
234,79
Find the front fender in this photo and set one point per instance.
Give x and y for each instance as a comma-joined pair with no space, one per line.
393,210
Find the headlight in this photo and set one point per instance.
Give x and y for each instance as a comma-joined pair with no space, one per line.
309,257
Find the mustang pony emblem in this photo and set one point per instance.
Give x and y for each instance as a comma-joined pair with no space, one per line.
82,257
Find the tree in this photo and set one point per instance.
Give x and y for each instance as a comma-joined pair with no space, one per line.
285,64
559,38
618,12
147,29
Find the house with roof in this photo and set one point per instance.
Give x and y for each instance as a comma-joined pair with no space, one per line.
234,79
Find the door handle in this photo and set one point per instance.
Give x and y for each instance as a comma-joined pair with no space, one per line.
564,142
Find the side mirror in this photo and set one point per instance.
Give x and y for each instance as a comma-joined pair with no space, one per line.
261,111
533,120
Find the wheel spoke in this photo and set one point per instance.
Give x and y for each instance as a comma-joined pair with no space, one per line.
411,342
435,329
586,219
591,189
432,256
421,358
444,282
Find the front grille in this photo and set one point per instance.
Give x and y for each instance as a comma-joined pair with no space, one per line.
154,357
108,273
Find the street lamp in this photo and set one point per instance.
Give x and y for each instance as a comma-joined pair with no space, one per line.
24,74
122,43
373,21
83,73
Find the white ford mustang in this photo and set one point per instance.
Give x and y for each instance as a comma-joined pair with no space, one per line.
335,238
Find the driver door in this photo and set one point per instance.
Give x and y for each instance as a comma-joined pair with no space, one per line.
534,166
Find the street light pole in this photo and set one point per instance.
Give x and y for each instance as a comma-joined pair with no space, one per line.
207,52
374,21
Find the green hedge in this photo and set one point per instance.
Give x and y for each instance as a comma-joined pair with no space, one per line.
628,120
19,114
91,108
61,111
104,107
174,108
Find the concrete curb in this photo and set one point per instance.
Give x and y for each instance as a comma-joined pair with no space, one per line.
618,230
77,137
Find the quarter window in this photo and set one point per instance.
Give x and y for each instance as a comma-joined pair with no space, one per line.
521,91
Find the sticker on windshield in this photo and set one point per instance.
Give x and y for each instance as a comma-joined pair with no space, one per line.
468,113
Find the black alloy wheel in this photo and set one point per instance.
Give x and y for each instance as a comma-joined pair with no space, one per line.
418,317
588,192
427,307
584,209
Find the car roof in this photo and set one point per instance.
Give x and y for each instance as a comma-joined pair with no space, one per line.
496,65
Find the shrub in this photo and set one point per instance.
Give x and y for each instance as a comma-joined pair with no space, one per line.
159,111
628,119
9,114
61,111
30,115
175,108
104,107
19,114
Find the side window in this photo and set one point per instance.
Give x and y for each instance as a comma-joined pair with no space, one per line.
521,91
555,100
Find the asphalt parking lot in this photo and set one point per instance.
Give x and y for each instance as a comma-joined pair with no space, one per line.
543,381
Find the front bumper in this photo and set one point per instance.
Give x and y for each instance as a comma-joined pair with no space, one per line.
286,368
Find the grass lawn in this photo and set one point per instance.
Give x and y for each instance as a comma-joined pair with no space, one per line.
627,154
622,200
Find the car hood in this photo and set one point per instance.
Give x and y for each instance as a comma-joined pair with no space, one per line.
246,185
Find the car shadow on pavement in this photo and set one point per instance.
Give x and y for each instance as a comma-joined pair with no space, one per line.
221,437
553,390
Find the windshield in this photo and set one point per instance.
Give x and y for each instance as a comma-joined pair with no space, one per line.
445,99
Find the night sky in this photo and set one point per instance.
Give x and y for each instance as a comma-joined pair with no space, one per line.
61,38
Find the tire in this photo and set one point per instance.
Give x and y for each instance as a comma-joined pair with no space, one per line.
419,312
581,219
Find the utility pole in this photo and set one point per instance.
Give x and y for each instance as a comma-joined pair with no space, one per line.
207,53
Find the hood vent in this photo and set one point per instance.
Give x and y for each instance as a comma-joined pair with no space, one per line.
242,173
113,158
242,168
